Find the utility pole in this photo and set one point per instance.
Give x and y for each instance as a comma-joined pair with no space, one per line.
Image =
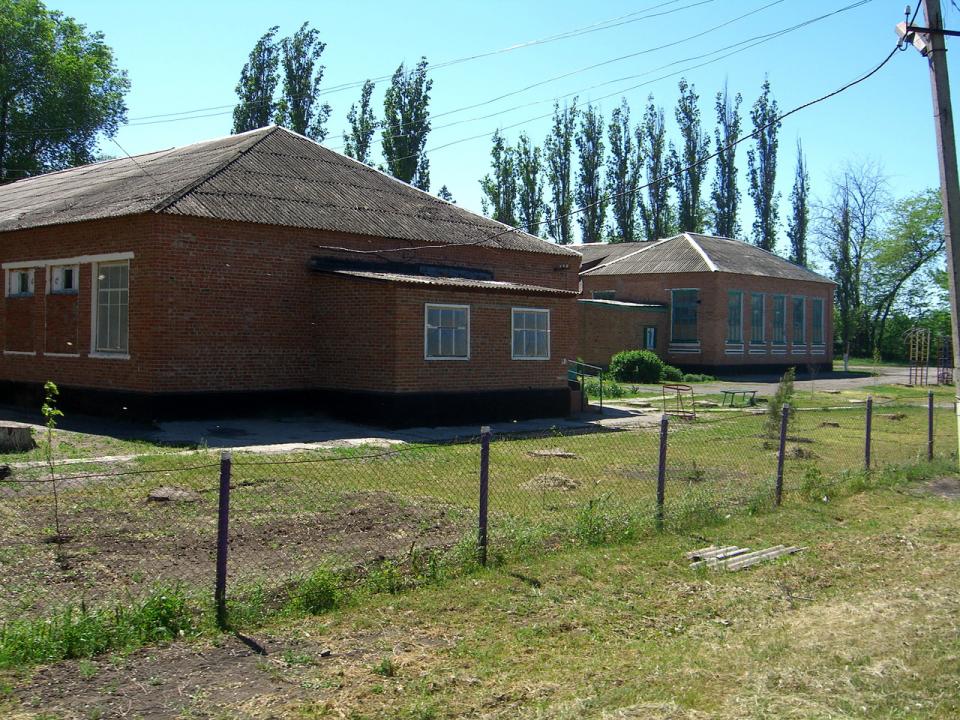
930,41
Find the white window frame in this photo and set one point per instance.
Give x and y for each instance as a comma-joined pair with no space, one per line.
513,327
53,271
730,341
94,305
763,319
814,327
17,273
426,328
803,320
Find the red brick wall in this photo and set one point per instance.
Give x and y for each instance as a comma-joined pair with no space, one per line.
222,306
712,315
608,329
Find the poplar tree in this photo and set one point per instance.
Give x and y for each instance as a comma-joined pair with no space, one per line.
800,219
500,187
689,165
445,194
529,167
762,169
258,82
623,175
299,108
590,195
406,124
655,212
363,124
558,150
726,195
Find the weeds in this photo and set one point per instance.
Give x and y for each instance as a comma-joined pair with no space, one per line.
319,593
78,633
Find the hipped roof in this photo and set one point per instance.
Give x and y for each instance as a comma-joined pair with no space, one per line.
269,176
691,252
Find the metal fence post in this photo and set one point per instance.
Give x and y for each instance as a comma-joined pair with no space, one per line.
930,426
223,536
866,439
662,470
484,493
784,418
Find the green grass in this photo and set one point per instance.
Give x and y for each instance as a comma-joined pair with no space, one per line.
861,624
292,556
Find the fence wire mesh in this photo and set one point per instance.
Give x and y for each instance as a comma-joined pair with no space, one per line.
102,534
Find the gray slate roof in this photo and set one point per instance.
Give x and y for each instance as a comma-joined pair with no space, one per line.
269,176
595,253
692,252
464,283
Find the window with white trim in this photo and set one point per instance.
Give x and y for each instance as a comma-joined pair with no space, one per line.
112,302
734,316
683,315
446,332
757,318
799,320
531,334
817,308
779,320
20,283
63,279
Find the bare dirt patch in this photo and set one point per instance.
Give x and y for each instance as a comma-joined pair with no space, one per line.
114,553
551,481
945,487
554,453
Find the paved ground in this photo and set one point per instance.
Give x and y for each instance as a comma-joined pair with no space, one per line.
294,432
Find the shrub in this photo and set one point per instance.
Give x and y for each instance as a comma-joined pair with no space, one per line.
610,389
697,378
671,374
318,593
641,366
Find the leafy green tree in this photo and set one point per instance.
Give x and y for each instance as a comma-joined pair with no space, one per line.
529,168
445,194
500,188
362,124
655,213
623,175
299,108
558,150
256,107
726,195
689,166
800,203
60,90
406,124
912,243
762,168
590,195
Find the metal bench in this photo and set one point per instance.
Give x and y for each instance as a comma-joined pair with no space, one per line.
732,396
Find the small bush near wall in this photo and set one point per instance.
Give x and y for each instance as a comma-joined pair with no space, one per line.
641,366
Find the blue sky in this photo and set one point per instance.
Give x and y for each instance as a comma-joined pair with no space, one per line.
183,56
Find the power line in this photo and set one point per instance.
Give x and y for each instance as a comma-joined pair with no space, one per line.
755,40
661,179
575,32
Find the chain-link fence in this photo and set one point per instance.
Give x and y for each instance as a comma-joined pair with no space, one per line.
101,535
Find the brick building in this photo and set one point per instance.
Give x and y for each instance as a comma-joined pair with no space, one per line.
263,267
704,303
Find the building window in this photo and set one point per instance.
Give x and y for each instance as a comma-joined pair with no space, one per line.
531,334
734,316
604,294
799,321
757,319
447,332
779,320
112,294
63,279
650,338
20,283
817,321
683,318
